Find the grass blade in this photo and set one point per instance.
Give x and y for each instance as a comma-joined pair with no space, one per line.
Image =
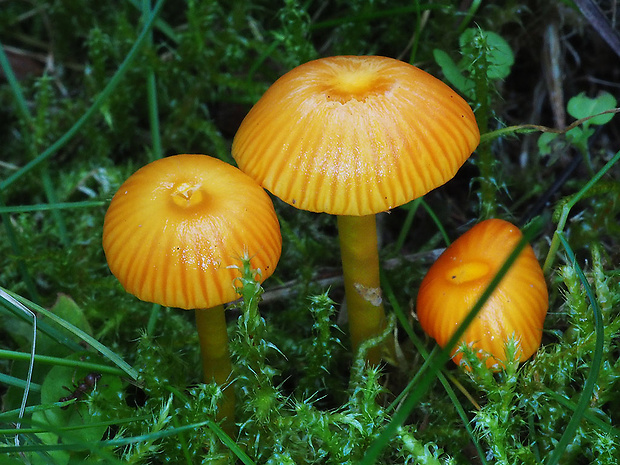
442,379
555,242
49,360
597,356
105,93
433,365
51,206
98,346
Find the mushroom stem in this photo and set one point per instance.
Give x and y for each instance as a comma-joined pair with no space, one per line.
360,265
216,364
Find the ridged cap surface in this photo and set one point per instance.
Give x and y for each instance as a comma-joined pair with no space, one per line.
355,135
176,228
456,280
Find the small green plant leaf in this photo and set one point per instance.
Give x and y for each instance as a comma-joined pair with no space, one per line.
579,136
75,423
499,55
545,142
453,73
66,308
581,106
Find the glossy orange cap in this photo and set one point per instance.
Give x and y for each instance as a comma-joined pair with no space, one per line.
176,229
454,283
355,135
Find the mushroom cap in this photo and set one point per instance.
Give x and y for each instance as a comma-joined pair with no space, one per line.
176,229
453,284
355,135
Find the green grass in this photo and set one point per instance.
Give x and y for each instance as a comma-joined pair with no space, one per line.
127,84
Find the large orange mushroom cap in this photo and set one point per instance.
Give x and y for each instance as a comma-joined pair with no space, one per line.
355,135
176,229
452,286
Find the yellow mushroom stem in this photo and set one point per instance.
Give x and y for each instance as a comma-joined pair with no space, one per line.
360,266
216,364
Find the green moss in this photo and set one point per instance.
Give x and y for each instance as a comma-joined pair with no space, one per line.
301,397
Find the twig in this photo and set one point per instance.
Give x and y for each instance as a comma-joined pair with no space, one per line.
334,278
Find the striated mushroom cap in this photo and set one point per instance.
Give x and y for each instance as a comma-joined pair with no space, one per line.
454,283
176,229
355,135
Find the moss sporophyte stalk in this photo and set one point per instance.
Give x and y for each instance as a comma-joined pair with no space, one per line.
175,233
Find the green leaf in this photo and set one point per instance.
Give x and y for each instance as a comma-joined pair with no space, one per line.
544,142
83,336
453,74
579,137
66,308
59,457
499,55
581,106
65,381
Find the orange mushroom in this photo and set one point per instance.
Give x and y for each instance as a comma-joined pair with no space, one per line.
174,234
516,308
354,136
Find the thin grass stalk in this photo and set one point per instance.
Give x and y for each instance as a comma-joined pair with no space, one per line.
28,382
161,25
555,242
11,415
16,89
587,415
219,432
19,383
438,358
473,8
56,361
22,106
110,443
8,308
437,222
94,108
231,444
95,424
531,427
151,92
11,236
440,375
51,206
153,319
88,339
182,442
597,356
50,194
412,208
151,87
156,150
6,221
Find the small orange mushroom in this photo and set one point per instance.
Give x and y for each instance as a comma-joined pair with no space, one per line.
354,136
174,234
516,308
